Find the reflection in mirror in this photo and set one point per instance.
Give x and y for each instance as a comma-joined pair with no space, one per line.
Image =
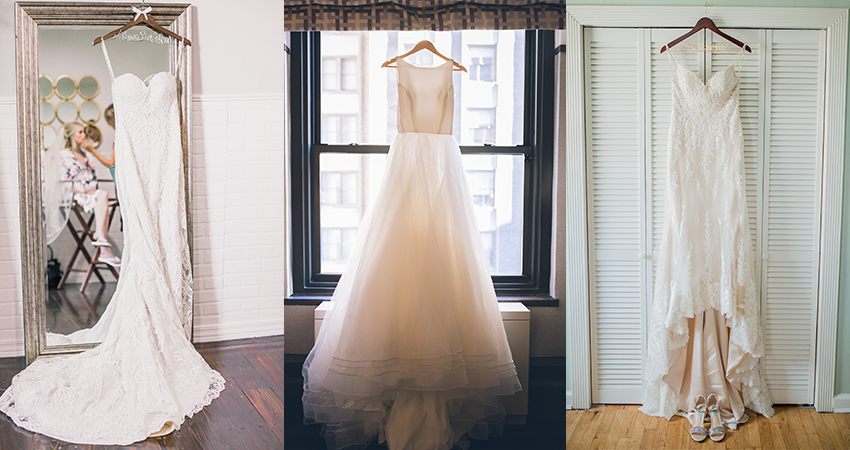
45,86
89,111
66,87
47,112
67,111
63,309
93,134
88,87
77,301
48,136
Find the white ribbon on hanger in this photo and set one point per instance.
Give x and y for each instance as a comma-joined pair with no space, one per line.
141,12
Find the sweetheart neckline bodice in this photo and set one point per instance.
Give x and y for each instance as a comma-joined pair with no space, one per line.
146,81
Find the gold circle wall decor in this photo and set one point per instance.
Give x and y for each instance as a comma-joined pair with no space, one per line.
47,111
45,87
89,111
66,87
67,111
88,87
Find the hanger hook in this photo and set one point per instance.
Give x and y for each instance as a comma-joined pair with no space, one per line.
704,15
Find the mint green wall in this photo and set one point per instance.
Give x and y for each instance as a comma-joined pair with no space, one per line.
842,363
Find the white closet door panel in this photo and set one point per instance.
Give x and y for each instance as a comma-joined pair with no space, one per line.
792,213
614,212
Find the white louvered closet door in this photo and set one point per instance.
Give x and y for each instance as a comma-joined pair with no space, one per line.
793,105
614,160
781,98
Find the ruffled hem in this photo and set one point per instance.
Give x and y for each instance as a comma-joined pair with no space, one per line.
660,400
409,419
24,420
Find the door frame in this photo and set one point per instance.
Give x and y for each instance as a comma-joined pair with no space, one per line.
835,22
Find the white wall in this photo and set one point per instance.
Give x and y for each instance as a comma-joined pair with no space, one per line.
238,174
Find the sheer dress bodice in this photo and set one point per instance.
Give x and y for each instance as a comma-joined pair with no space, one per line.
425,98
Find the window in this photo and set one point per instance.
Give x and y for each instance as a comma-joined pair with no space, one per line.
344,116
482,125
483,60
338,74
339,128
338,188
337,244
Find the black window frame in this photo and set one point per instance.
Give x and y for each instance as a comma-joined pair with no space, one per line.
310,286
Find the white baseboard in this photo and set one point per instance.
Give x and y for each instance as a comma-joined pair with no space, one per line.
841,403
11,349
569,399
230,331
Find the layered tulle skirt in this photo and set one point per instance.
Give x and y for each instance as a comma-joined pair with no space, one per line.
413,350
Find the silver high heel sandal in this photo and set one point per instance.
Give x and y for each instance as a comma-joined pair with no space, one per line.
718,431
698,431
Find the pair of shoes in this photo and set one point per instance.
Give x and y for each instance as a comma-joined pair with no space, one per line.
112,260
718,431
101,243
698,431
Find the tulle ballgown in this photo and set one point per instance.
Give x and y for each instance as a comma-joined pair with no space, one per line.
145,377
413,351
704,334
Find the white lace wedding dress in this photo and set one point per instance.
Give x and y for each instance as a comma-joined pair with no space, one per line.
705,335
413,351
145,377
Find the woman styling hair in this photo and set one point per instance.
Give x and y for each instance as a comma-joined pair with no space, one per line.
109,116
78,168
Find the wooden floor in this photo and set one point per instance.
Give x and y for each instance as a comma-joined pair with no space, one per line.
624,427
247,416
69,310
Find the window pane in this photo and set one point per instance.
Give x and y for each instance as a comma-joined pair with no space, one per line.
330,74
356,86
349,74
329,182
349,188
495,184
359,177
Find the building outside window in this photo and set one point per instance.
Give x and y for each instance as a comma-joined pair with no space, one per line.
339,74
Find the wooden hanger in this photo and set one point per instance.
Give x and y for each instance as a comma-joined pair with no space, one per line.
423,45
142,18
704,23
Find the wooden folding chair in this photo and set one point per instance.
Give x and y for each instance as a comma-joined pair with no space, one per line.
80,236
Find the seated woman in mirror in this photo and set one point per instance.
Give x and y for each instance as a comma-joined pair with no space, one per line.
86,193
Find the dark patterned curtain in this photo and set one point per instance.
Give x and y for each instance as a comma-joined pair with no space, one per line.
435,15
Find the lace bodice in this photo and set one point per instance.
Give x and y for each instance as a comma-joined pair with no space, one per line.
425,98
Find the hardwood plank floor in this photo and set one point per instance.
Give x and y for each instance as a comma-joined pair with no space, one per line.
624,427
247,416
69,310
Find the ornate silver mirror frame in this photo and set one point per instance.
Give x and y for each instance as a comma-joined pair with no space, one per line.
28,17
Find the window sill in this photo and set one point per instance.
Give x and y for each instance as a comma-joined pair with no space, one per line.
531,300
